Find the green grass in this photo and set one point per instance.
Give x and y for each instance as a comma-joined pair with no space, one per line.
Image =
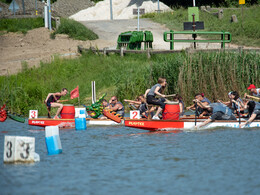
75,30
245,32
20,25
72,28
214,73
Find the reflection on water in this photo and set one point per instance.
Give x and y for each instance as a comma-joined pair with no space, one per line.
119,160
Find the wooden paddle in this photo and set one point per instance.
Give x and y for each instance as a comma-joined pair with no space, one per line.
253,97
172,95
196,112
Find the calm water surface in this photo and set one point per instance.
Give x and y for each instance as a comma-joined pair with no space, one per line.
120,160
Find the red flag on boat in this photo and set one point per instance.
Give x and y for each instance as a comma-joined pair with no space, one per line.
74,93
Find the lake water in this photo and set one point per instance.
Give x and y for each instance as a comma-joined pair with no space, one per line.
120,160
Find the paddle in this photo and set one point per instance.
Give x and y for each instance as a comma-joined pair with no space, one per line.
196,112
172,95
239,113
253,97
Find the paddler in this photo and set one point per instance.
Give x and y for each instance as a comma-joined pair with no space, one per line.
204,101
158,90
219,112
235,102
116,106
254,92
52,100
142,105
255,111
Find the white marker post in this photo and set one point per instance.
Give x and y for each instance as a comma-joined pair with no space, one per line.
135,114
52,139
93,86
19,149
33,114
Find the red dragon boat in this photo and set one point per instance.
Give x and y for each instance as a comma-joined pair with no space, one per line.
172,121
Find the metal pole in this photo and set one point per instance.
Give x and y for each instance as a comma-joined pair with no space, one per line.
138,14
49,13
111,10
23,8
194,3
35,4
46,16
13,7
158,6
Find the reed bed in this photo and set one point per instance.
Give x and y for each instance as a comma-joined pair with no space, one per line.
214,73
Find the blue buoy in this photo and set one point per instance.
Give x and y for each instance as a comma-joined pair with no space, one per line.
52,139
80,124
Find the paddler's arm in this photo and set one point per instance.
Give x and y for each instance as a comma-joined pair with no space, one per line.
156,91
116,107
253,116
204,123
132,101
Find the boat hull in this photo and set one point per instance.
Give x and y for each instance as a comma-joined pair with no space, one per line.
68,123
155,125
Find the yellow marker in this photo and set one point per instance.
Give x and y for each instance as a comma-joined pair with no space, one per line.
242,2
36,12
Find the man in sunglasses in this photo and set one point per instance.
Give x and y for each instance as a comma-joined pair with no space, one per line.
116,106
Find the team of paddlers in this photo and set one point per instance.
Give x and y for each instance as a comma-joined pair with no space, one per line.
202,106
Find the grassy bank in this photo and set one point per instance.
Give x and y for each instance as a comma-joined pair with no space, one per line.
215,74
245,32
21,24
74,29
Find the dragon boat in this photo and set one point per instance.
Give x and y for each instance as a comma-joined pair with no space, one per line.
183,124
68,123
67,119
172,121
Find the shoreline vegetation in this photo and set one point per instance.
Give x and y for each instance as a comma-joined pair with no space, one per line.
213,73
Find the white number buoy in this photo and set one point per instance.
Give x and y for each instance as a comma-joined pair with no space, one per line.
52,139
80,113
134,114
19,149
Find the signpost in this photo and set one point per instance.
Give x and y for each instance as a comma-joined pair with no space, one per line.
242,2
111,10
137,12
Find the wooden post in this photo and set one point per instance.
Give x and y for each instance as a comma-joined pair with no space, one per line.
122,52
148,53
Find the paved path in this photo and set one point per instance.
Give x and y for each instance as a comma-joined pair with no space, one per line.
110,29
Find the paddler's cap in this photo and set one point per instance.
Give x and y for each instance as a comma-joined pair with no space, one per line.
230,93
252,86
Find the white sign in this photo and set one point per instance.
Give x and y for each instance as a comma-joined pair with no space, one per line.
80,113
33,114
19,149
135,114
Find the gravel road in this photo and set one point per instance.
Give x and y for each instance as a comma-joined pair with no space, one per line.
110,29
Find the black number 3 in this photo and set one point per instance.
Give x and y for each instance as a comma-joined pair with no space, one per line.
9,145
26,150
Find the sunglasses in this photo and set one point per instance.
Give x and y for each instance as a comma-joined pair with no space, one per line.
113,100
